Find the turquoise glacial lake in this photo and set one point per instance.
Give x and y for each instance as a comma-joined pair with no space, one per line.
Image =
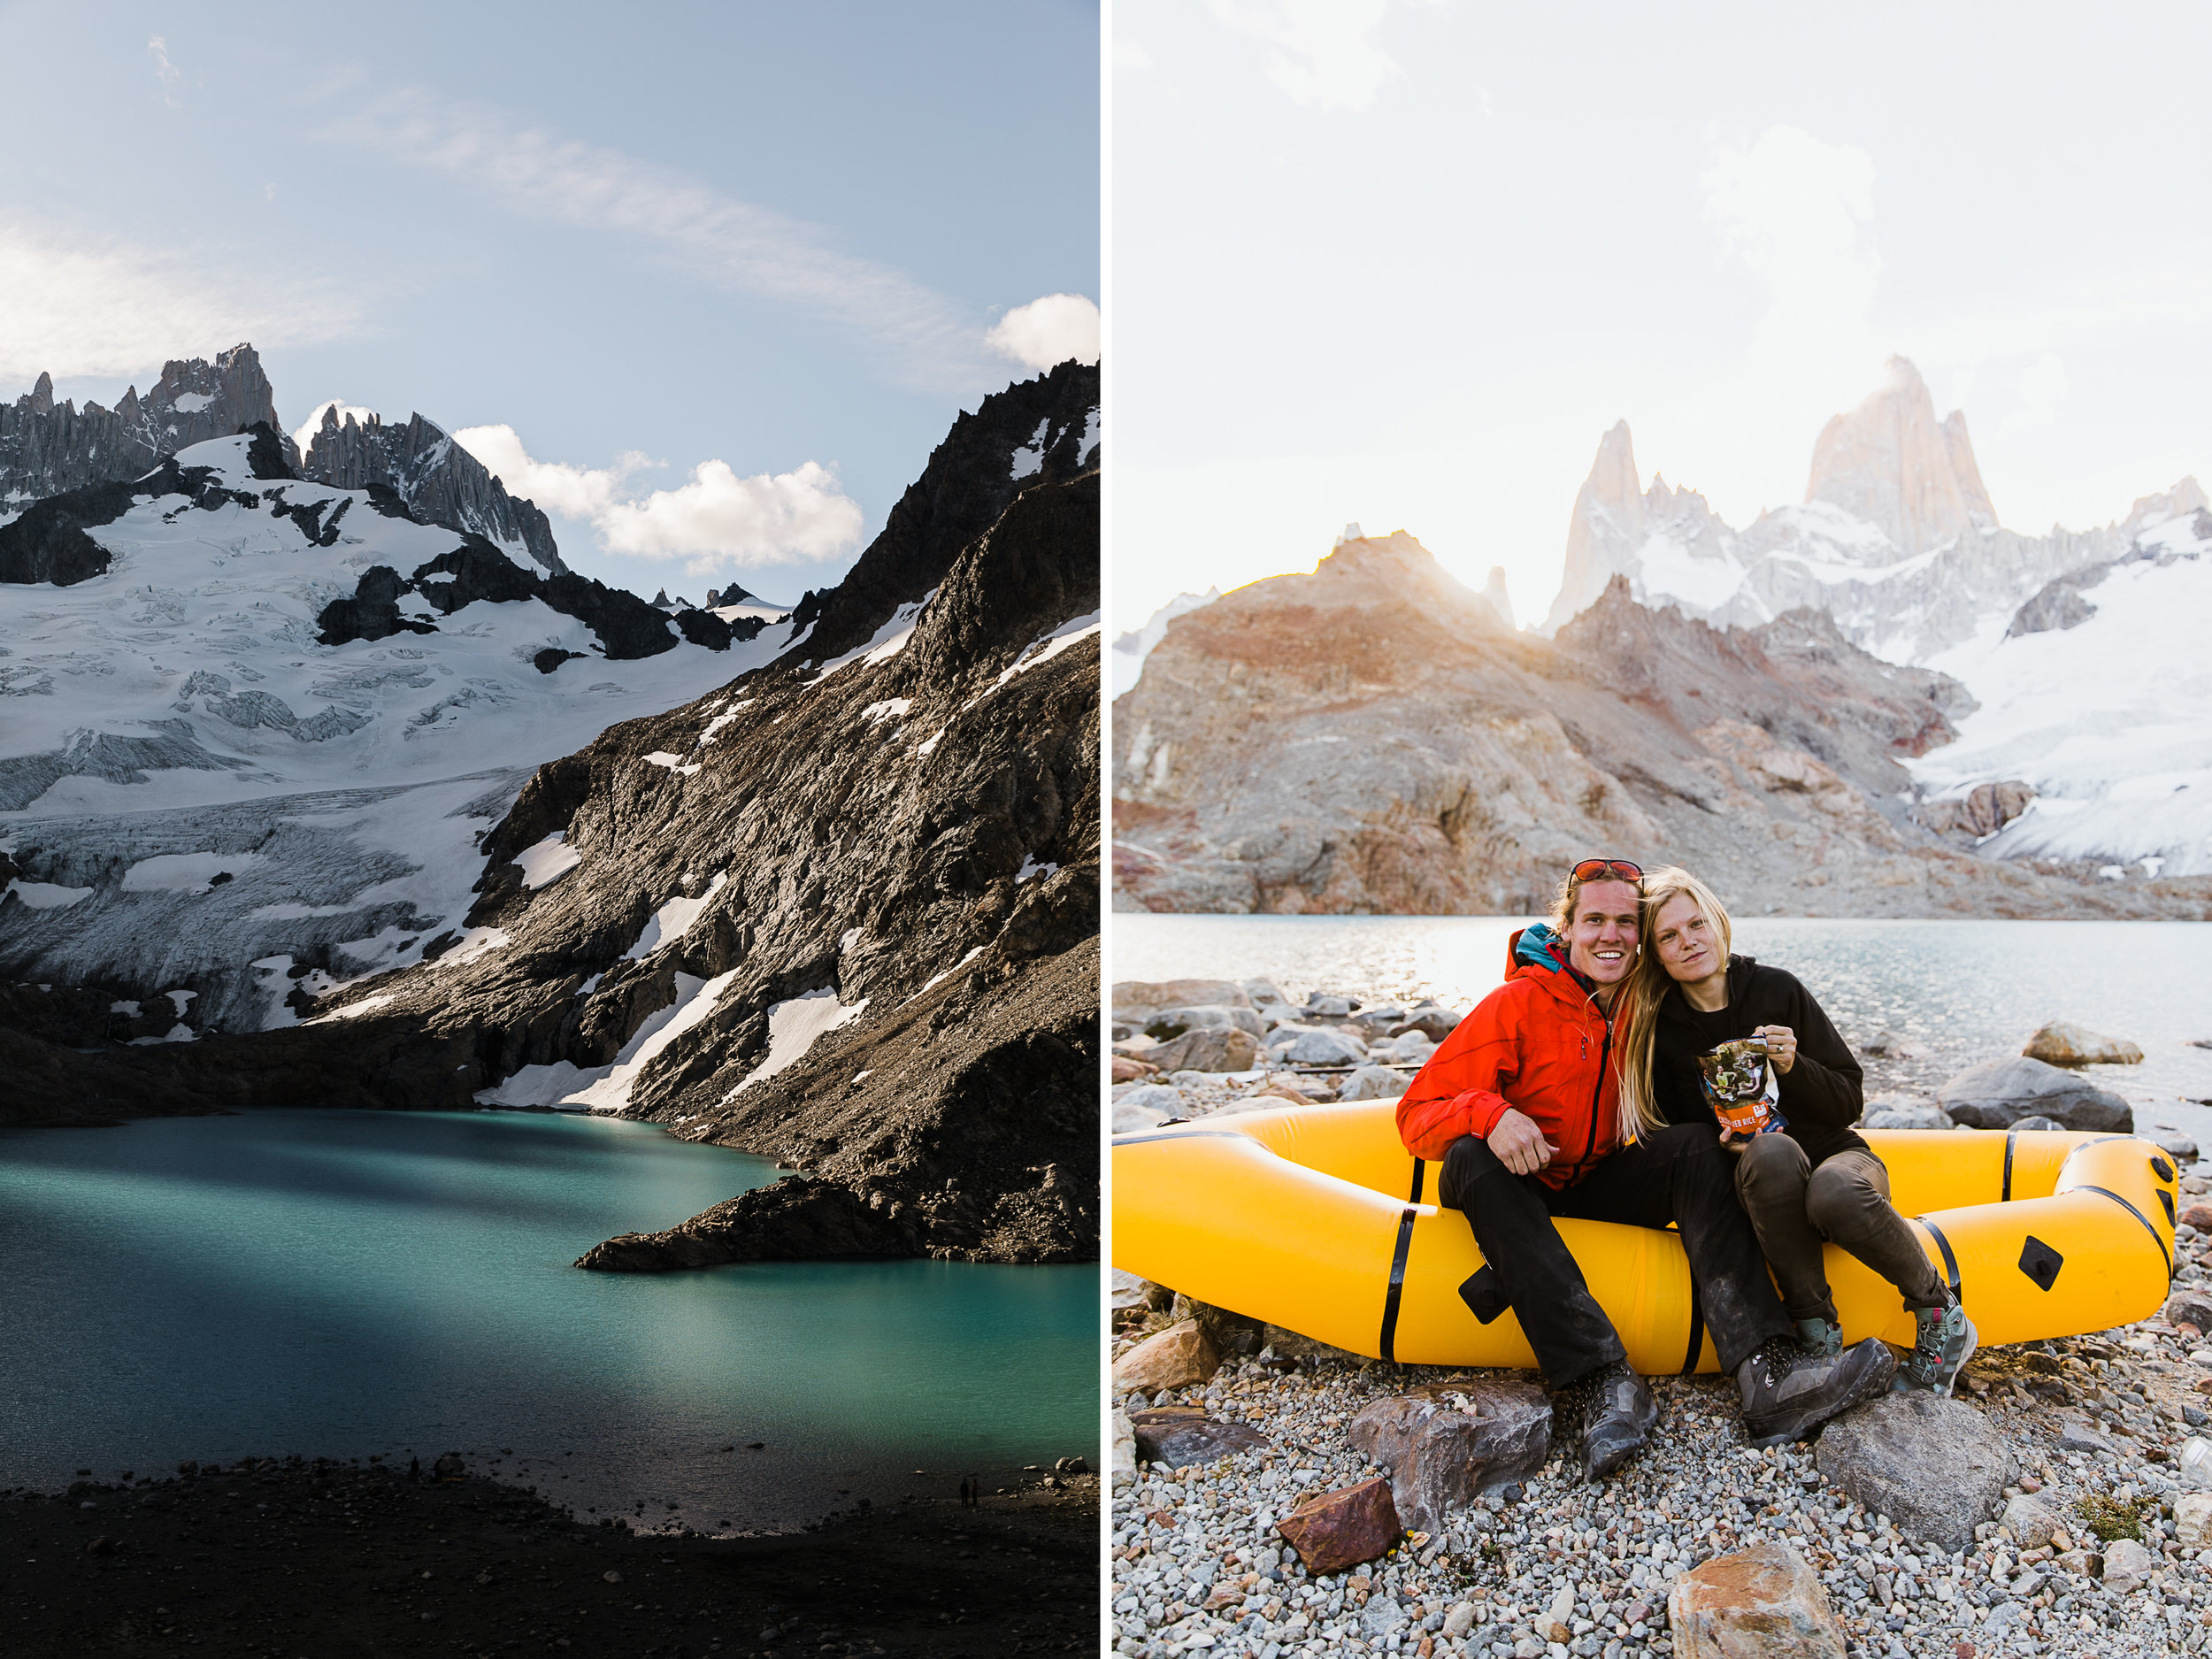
349,1283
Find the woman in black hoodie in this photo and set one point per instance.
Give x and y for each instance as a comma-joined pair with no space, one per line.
1714,1037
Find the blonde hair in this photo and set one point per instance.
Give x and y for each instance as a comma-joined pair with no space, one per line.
1648,987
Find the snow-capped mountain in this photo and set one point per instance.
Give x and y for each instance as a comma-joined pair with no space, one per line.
306,691
47,449
1896,538
840,910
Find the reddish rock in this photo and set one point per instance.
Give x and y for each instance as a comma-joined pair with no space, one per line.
1130,1071
2197,1216
1764,1602
2062,1042
1336,1529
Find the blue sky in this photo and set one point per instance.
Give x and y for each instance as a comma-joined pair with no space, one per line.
769,237
1405,261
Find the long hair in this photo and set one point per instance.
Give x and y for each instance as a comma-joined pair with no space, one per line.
1648,986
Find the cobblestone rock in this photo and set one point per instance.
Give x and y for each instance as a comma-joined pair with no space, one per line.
1933,1465
1764,1602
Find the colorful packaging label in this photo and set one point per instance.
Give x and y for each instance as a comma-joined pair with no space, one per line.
1741,1087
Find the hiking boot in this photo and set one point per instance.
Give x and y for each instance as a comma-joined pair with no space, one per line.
1820,1339
1788,1393
1946,1343
1610,1411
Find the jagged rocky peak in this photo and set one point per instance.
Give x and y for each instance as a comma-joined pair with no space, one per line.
1494,590
1891,463
47,448
440,482
1613,519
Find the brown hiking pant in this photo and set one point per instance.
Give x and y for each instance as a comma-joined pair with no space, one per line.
1794,1207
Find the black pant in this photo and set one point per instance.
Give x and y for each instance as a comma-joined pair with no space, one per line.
1680,1175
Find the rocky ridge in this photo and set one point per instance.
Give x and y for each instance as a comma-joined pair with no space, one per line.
48,448
1896,538
842,911
1371,738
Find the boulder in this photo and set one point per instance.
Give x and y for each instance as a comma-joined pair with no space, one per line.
1373,1082
2188,1307
2062,1042
1446,1444
1410,1044
1126,1290
2128,1566
1261,992
1905,1112
2175,1144
2197,1216
2192,1520
1764,1602
1933,1466
1174,1021
1130,1070
1207,1049
1137,1000
1325,1005
1432,1020
1997,1094
1229,1333
1316,1045
1148,1106
1174,1358
1290,1345
1335,1530
2030,1522
1183,1435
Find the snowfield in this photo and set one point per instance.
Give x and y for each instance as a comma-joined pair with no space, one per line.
315,800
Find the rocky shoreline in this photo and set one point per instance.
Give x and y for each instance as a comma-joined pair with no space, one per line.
265,1554
2046,1509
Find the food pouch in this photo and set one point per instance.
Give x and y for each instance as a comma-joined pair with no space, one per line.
1741,1087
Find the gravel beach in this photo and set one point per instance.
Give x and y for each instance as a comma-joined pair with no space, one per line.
2092,1545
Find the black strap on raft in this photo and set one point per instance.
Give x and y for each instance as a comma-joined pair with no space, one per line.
1950,1262
2105,1191
2005,1196
1697,1331
1397,1283
1414,1198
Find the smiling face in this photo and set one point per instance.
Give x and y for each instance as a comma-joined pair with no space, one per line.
1601,934
1687,944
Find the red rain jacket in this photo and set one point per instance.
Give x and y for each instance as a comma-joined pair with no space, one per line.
1537,1043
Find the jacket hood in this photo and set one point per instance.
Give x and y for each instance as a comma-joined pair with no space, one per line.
1674,1005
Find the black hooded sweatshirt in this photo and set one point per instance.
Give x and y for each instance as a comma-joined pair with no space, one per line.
1822,1094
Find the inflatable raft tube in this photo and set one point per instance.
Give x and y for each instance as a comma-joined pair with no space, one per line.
1317,1220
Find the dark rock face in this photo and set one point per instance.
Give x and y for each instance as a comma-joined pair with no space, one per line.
915,838
967,485
49,449
49,543
438,481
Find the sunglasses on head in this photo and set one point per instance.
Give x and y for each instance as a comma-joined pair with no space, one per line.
1606,870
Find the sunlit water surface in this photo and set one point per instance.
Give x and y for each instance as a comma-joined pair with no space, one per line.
343,1283
1960,989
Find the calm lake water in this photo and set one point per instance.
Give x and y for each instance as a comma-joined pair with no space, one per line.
341,1283
1962,990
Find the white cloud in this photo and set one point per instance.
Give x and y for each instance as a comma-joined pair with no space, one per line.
2043,386
731,243
716,522
1324,55
1048,331
165,71
1129,53
304,434
1797,211
78,306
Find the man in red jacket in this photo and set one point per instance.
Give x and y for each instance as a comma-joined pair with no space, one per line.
1521,1107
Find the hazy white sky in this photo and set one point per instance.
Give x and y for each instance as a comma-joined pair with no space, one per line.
1403,263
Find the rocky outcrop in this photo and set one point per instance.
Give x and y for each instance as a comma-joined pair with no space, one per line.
844,917
1891,464
440,482
49,448
1370,738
